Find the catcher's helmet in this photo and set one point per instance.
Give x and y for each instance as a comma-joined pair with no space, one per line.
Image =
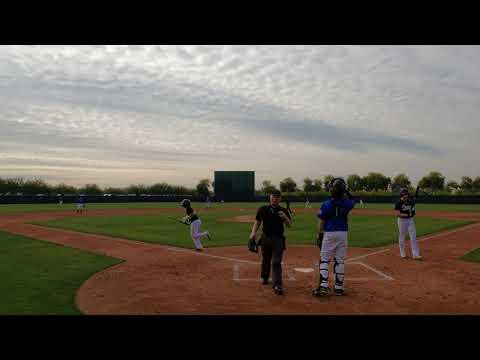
337,188
403,192
185,203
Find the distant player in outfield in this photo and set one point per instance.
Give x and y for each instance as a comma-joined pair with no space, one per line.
80,204
60,199
307,203
332,236
194,221
209,204
406,212
287,204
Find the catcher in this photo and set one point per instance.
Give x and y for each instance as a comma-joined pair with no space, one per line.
273,241
332,236
406,212
194,221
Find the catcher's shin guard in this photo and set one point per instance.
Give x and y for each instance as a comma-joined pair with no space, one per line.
339,270
324,273
322,289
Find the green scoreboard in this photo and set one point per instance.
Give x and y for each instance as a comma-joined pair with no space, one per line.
234,185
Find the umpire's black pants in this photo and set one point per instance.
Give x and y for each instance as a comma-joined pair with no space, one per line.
272,252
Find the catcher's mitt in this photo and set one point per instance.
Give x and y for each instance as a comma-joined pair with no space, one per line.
252,245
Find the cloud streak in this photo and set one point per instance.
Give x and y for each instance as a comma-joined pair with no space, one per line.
196,107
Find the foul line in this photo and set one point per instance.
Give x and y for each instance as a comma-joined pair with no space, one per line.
461,228
256,262
378,272
365,255
212,256
352,260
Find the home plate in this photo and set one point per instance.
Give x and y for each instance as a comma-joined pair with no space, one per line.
304,270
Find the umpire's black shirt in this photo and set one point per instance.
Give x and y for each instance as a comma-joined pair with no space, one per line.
272,222
406,207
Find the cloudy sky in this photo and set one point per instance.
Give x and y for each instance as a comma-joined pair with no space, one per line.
117,115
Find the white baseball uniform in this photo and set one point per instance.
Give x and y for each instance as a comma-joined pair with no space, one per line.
196,234
407,225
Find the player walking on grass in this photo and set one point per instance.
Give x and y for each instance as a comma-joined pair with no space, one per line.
195,223
273,242
287,204
80,204
332,236
208,202
307,203
406,212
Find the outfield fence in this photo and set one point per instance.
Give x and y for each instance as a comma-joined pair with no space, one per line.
110,198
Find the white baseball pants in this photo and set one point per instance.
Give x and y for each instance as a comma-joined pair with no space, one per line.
196,234
407,226
334,246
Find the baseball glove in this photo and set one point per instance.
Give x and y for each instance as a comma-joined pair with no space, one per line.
320,240
252,245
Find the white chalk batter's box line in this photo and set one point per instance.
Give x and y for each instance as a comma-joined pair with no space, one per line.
291,277
350,261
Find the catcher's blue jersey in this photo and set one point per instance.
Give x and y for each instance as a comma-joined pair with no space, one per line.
335,213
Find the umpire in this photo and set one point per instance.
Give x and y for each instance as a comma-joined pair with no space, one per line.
273,241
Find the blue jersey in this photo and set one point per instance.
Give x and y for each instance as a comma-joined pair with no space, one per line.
335,213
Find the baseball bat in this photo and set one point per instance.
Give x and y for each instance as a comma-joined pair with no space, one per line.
175,219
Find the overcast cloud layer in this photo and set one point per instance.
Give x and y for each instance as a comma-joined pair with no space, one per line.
116,115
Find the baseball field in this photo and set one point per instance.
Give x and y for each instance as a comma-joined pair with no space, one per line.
134,258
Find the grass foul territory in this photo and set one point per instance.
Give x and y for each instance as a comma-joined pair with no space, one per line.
41,278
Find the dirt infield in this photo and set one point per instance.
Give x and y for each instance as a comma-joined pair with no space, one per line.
157,279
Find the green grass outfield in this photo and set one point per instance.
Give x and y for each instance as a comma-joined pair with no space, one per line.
40,278
365,231
473,256
15,208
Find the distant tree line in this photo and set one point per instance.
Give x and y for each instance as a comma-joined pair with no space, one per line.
374,182
39,186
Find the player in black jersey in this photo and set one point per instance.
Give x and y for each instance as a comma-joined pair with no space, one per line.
194,221
406,212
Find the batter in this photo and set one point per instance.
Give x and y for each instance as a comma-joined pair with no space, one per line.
195,223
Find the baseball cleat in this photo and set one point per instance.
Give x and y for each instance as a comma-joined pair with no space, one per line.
403,257
264,281
320,291
198,249
339,292
417,258
278,290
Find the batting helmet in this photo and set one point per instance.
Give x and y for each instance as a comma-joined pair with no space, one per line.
403,192
185,203
337,188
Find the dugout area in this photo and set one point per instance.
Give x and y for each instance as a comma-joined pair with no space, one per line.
234,185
